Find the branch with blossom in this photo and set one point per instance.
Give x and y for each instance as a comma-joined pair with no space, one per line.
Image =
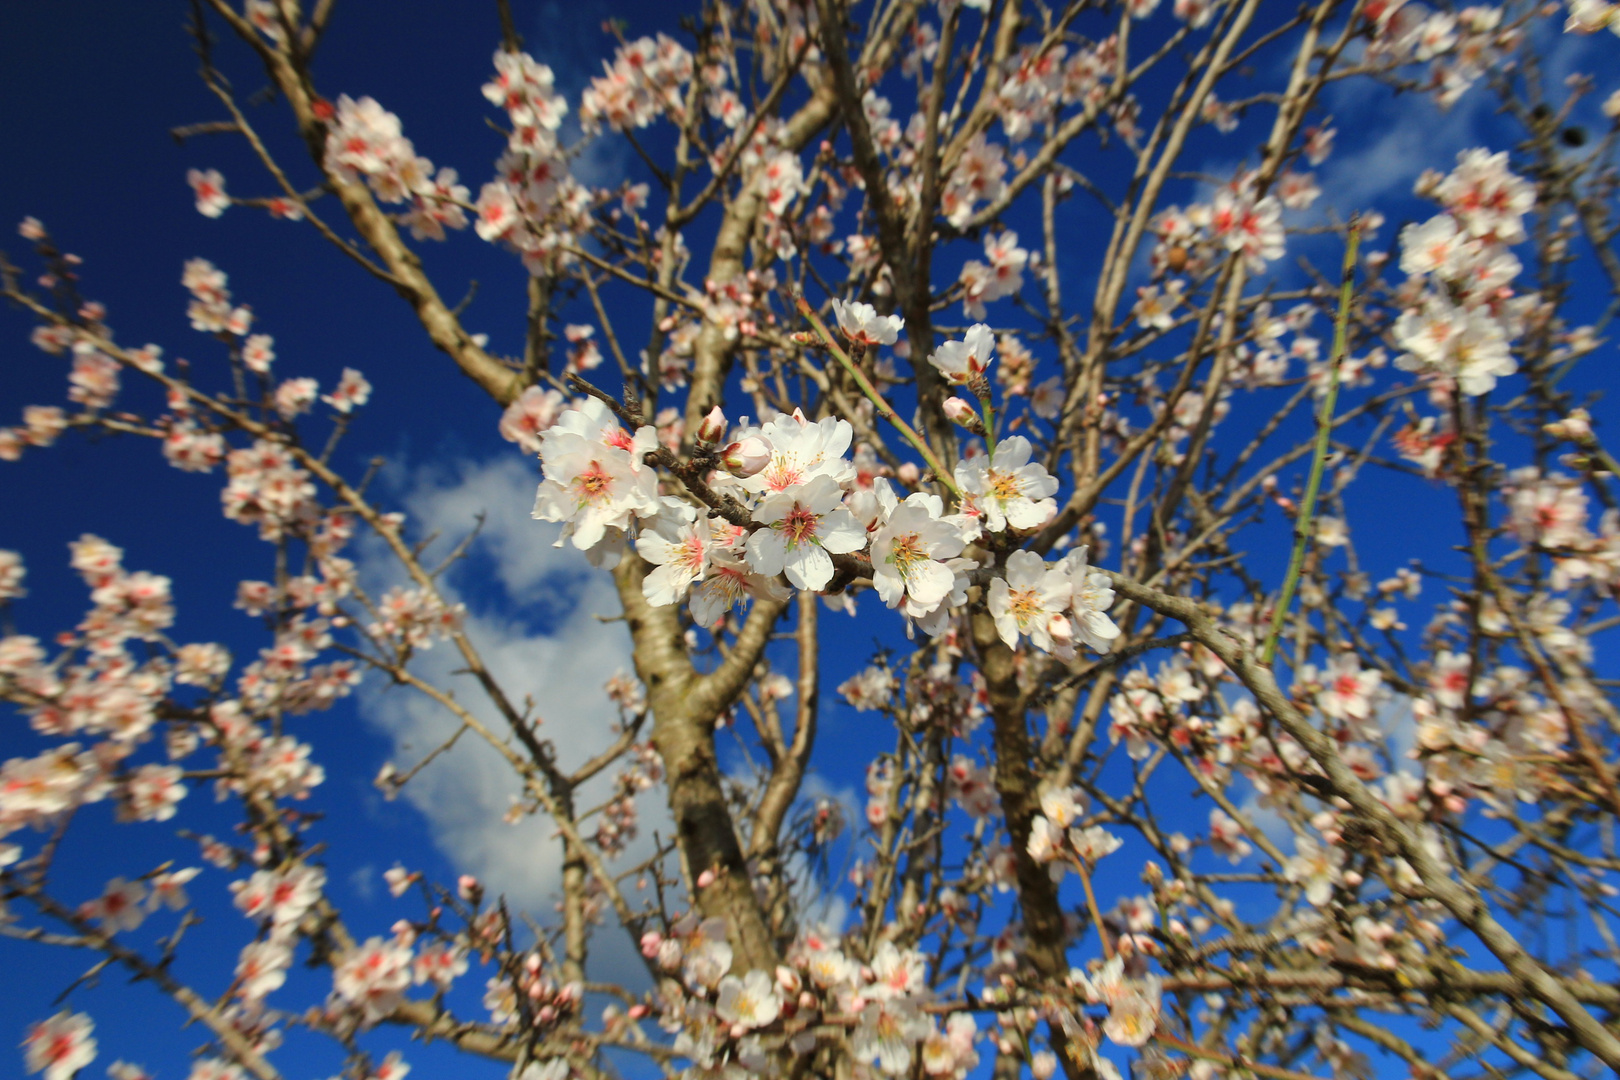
1079,632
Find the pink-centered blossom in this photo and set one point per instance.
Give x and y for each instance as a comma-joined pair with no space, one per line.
61,1046
209,187
373,978
963,361
862,324
805,526
1008,488
909,549
1025,601
681,555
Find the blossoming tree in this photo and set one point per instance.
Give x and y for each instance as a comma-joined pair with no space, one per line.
1351,836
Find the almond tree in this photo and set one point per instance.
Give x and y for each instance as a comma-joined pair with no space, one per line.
1046,492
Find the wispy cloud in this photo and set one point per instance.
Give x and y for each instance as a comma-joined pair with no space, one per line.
533,614
1387,140
570,39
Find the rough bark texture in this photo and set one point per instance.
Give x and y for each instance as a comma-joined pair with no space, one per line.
1045,938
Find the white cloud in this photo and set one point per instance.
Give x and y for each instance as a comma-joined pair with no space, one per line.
363,880
568,38
822,904
1410,133
533,615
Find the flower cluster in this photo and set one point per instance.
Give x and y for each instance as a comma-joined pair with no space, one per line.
1460,47
530,992
1240,219
98,687
1039,80
1549,511
366,141
373,977
807,505
415,618
210,310
1001,274
1460,310
1133,1002
719,1016
533,205
643,82
1056,836
268,489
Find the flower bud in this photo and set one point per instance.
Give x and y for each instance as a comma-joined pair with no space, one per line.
713,427
1061,629
908,474
705,879
1576,427
468,887
959,411
650,941
746,457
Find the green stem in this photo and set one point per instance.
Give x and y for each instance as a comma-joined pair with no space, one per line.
872,395
989,421
1324,429
1594,449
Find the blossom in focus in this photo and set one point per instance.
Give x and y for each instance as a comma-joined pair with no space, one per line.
595,479
1008,488
1092,594
800,451
1025,601
806,525
908,550
862,324
963,361
681,556
729,581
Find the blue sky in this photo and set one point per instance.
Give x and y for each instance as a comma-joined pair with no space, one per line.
88,95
